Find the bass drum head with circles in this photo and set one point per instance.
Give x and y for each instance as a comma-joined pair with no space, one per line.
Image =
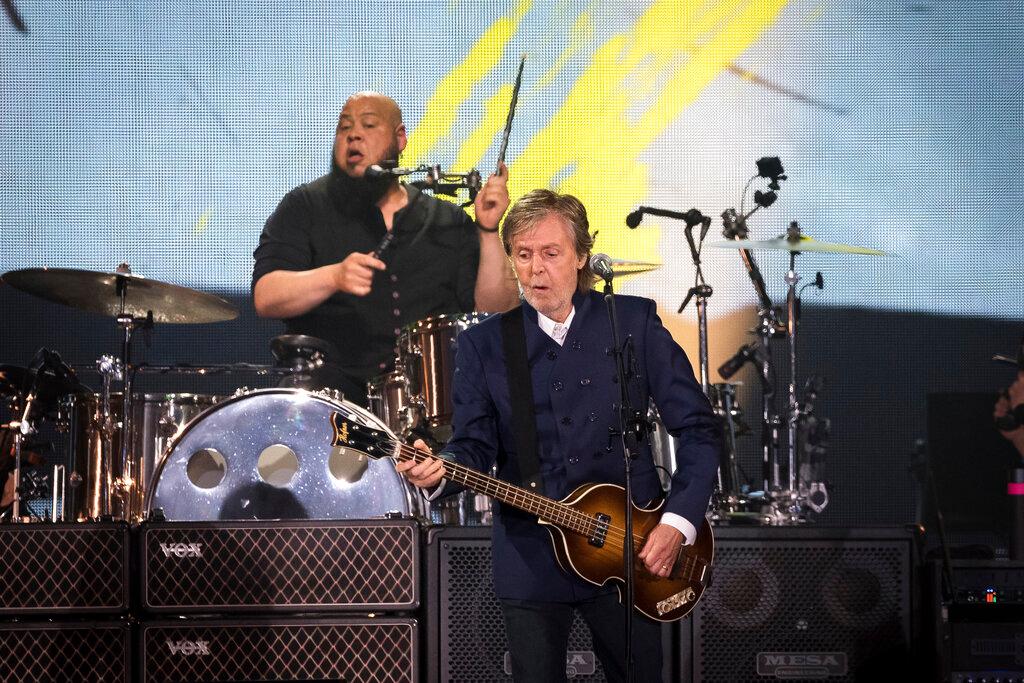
268,455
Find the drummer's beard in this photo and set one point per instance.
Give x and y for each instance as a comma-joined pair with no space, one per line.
367,191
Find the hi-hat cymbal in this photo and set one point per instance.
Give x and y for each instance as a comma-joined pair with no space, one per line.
803,244
98,292
623,267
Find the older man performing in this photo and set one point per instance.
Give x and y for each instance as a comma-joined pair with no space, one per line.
575,396
316,265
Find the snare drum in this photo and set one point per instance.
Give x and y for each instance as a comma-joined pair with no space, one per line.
428,354
267,454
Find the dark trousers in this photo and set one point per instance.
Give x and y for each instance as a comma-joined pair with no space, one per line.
538,637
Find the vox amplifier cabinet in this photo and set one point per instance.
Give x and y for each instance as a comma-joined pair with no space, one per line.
806,603
73,568
383,650
80,651
324,566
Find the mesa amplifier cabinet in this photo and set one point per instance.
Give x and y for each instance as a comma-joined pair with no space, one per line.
73,568
287,566
466,630
804,603
80,651
382,650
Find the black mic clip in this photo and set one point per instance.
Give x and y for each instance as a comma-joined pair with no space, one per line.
703,291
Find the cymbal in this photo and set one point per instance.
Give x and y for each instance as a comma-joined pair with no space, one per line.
97,292
803,244
622,267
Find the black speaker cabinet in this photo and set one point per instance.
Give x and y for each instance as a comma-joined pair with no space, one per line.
976,632
85,651
466,632
223,567
382,650
74,568
803,603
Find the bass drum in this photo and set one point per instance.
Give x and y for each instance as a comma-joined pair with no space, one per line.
268,455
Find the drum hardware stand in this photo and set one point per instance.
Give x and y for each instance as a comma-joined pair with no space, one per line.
21,428
734,227
57,493
110,370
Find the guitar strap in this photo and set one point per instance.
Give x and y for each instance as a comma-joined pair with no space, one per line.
520,389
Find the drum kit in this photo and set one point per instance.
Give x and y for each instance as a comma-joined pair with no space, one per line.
128,455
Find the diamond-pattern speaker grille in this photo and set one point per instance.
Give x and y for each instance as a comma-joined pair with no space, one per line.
70,652
377,651
313,567
79,568
806,597
473,642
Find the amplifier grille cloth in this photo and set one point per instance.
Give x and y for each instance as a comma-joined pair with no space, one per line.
369,652
803,597
81,568
473,641
307,567
76,652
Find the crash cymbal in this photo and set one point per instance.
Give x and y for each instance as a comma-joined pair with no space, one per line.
98,292
622,267
801,244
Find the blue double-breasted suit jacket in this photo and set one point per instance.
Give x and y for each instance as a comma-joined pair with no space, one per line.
576,397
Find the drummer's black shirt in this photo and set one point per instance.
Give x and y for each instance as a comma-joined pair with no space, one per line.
431,266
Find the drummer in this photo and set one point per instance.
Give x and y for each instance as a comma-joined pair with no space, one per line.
317,265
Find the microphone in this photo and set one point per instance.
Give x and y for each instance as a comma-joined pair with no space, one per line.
378,171
602,265
634,217
747,353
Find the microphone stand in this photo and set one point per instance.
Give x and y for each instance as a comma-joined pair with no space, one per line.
728,475
631,425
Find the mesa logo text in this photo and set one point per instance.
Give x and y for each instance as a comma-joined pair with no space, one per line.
791,665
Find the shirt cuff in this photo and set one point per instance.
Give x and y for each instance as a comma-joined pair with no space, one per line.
682,525
436,493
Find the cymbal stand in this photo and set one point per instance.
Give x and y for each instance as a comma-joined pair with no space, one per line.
125,483
22,428
769,327
110,370
794,410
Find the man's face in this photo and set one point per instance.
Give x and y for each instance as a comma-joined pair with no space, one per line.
547,265
368,133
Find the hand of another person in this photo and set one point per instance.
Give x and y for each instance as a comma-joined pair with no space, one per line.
492,200
661,549
354,275
425,474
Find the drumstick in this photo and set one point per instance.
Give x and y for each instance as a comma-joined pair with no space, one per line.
511,114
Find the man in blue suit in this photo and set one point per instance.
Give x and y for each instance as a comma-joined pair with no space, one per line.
575,399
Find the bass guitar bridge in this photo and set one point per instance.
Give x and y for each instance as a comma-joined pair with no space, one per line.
600,532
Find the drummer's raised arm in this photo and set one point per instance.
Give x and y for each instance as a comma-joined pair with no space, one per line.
495,289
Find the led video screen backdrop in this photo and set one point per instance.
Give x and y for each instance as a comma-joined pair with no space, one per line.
164,135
